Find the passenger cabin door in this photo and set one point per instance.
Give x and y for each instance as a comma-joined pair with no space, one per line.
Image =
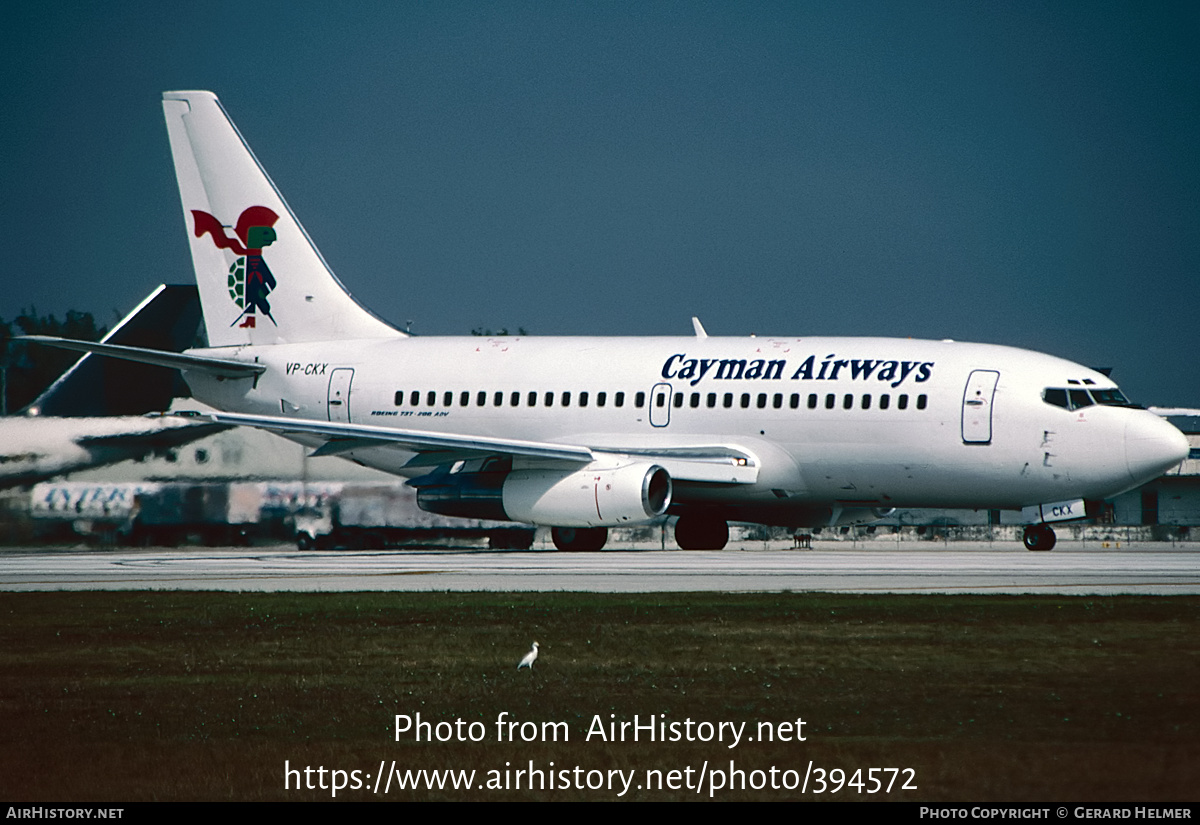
339,394
977,407
660,405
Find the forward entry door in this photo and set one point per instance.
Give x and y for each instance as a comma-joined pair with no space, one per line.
977,407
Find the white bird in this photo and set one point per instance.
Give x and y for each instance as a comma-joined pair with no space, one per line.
530,658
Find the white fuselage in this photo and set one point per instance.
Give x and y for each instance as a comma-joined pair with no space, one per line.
832,422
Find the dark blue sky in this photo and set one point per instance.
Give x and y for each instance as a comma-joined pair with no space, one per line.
1018,173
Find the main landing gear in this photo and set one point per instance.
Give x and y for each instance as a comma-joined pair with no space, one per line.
1039,537
701,532
692,532
579,539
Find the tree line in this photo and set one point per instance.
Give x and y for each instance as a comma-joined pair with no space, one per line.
27,370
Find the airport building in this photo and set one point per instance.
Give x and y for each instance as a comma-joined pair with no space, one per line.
1174,499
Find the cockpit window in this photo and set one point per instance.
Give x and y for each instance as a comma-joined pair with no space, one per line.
1112,398
1056,397
1076,399
1079,399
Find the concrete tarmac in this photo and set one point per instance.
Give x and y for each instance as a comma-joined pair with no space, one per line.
955,567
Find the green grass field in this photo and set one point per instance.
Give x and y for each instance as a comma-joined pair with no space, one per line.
204,696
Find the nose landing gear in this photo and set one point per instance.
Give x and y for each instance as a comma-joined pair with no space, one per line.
1039,537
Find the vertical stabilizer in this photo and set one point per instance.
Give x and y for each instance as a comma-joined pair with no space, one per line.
261,279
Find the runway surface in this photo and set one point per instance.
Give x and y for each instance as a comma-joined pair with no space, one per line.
960,567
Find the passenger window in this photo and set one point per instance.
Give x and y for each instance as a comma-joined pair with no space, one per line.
532,398
829,401
464,398
866,402
762,400
847,401
678,400
447,399
777,400
583,399
727,401
812,400
515,399
695,400
399,398
745,400
902,402
430,398
921,399
884,401
481,399
795,400
498,399
549,399
415,398
601,397
566,399
711,400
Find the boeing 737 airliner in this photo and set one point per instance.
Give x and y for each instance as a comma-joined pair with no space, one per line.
583,434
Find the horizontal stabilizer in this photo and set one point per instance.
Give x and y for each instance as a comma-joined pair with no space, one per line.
220,367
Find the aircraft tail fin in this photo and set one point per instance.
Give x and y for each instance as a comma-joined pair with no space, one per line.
261,278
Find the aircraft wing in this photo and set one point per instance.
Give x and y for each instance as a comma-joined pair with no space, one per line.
713,463
340,438
720,464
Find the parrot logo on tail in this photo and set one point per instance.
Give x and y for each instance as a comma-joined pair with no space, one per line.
250,279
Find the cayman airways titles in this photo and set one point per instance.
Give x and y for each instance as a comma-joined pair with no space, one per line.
830,369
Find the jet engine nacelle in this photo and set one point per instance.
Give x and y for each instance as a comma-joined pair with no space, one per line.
603,494
600,497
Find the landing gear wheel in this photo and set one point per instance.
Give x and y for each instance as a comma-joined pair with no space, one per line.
579,539
511,539
1039,537
701,533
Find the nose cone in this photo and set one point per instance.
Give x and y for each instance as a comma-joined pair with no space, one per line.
1152,446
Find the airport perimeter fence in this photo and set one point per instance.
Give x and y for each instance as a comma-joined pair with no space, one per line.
760,537
17,528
